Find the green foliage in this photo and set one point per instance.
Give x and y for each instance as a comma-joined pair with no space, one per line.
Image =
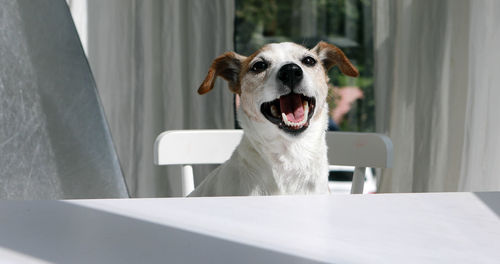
345,23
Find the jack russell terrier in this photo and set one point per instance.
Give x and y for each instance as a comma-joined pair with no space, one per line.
284,115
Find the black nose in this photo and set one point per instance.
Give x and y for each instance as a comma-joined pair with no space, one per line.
290,74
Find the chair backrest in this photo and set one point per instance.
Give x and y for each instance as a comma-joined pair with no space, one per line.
359,149
187,147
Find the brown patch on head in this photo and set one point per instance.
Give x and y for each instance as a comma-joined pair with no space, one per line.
227,66
331,56
245,65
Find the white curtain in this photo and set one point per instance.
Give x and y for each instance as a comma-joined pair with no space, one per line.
148,59
437,72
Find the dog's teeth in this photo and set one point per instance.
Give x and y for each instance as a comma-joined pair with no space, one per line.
306,108
283,116
274,111
299,124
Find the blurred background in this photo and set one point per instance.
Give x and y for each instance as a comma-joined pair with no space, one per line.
429,79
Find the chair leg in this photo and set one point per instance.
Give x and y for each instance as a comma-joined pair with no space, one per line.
358,180
187,180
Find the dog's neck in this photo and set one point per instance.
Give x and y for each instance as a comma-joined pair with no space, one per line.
295,164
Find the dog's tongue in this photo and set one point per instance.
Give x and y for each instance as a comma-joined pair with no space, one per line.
291,105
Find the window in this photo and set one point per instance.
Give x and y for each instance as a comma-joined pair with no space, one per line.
344,23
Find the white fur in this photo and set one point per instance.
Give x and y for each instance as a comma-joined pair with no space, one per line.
269,161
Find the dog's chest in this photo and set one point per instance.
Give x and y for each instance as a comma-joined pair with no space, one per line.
288,169
301,173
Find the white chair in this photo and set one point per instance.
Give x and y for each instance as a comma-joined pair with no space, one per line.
188,147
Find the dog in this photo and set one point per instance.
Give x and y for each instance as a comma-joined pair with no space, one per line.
284,114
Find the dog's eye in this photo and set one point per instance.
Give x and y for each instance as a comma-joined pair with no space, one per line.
309,61
259,66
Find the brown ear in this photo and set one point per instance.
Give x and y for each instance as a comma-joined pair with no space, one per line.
331,56
227,66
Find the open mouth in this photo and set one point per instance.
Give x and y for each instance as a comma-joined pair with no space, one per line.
290,112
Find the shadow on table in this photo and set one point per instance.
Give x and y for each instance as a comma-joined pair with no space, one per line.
490,199
61,232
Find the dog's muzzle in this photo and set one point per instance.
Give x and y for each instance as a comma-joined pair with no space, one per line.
291,112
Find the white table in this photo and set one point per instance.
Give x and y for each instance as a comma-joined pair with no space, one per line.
391,228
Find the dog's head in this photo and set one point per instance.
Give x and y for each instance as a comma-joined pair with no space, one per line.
282,84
